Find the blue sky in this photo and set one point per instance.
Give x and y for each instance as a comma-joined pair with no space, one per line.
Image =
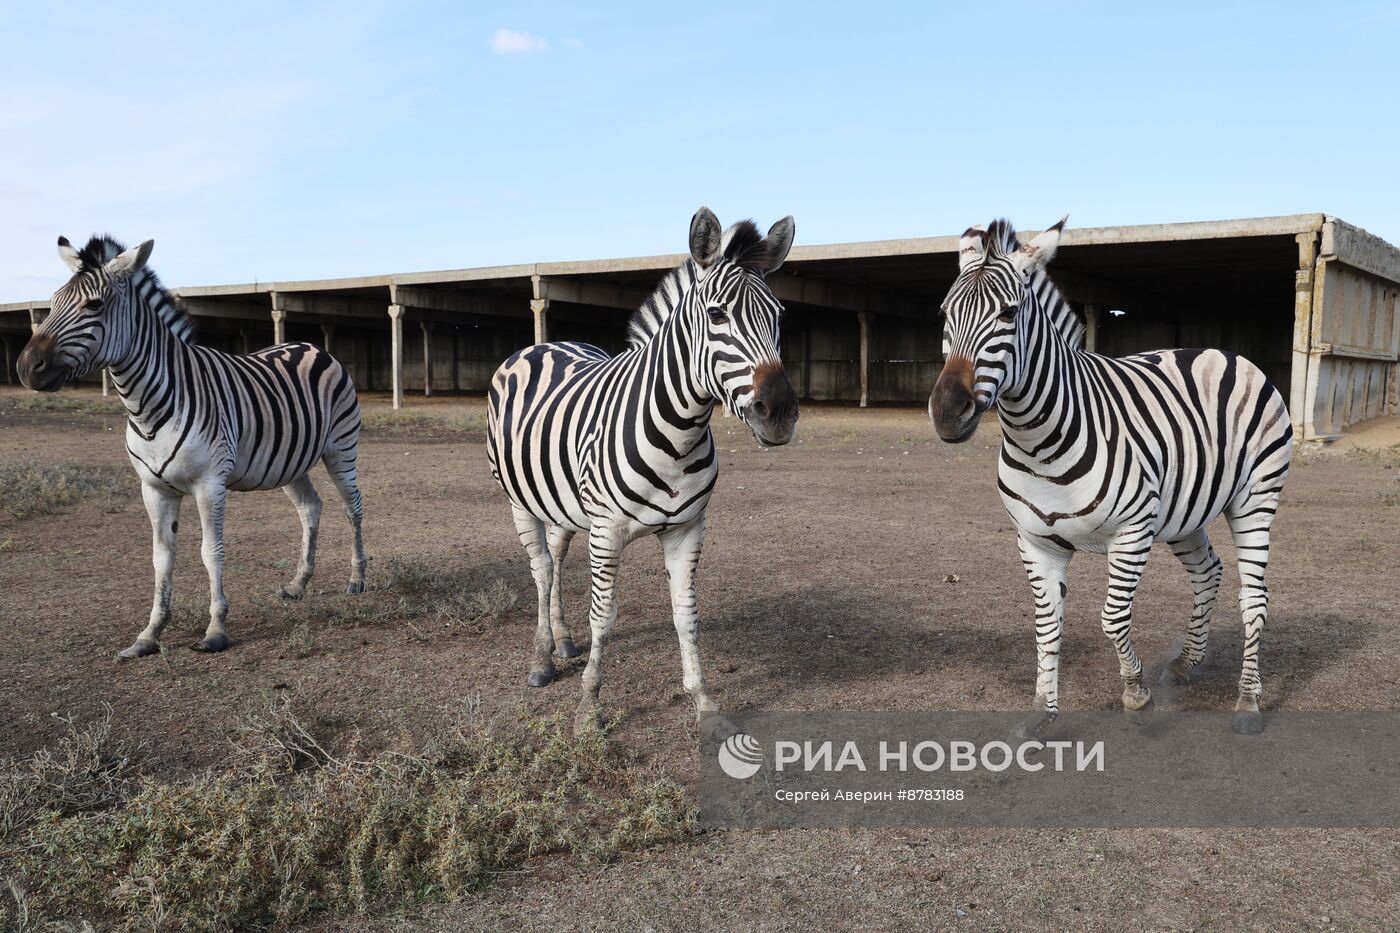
283,141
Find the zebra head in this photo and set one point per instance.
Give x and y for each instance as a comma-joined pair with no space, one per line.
89,324
734,317
985,313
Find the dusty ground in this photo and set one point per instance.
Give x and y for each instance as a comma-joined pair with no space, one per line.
822,588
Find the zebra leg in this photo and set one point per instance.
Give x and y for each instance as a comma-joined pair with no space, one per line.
1198,557
1127,559
559,539
1047,571
341,466
532,535
604,555
211,500
308,506
1250,523
164,511
681,546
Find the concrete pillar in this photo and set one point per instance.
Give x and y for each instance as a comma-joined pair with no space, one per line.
540,308
864,317
34,320
807,359
247,343
1303,368
279,319
1091,328
396,351
328,337
456,377
9,377
106,383
427,357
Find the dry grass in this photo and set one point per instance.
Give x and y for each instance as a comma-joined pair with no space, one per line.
270,731
47,402
83,772
295,830
467,417
301,639
411,591
1387,456
29,488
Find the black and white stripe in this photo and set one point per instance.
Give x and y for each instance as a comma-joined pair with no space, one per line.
620,447
201,422
1110,455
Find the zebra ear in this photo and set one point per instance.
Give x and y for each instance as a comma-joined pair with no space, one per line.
706,238
1041,250
779,242
69,255
130,262
972,246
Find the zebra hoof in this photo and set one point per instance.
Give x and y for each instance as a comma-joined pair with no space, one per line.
566,648
1248,722
139,649
540,678
588,721
212,643
1175,674
355,588
1032,728
290,591
715,726
1136,699
1140,717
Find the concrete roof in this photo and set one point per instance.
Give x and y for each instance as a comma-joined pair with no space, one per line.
914,268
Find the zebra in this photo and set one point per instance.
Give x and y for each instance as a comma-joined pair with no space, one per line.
1109,455
201,422
619,447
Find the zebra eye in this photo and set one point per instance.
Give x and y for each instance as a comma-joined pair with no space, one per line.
93,304
1008,314
717,315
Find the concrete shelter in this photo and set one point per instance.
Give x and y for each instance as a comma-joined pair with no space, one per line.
1310,298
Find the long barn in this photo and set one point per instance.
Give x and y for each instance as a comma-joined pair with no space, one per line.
1310,298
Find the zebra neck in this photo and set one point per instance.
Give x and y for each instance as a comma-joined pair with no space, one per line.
1040,412
678,390
147,377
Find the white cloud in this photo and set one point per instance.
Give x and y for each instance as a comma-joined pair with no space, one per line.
510,42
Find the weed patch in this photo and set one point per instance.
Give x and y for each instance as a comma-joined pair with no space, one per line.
469,417
84,771
47,402
262,846
29,488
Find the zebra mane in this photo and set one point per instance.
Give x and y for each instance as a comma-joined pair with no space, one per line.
743,244
999,240
647,320
102,249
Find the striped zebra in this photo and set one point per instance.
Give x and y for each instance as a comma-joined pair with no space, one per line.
1109,455
620,447
201,422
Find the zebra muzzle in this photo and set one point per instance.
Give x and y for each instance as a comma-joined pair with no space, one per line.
35,365
952,407
772,414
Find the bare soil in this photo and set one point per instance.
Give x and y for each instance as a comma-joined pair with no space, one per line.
823,587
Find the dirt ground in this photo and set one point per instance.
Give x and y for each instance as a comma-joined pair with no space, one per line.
823,587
